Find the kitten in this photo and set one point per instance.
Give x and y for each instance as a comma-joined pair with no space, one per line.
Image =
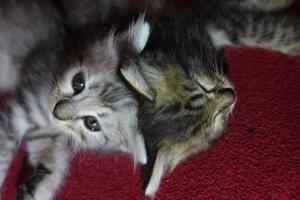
180,78
61,107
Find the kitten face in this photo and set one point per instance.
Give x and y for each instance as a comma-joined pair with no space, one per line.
92,105
173,93
182,110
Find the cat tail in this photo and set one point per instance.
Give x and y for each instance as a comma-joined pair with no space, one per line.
277,31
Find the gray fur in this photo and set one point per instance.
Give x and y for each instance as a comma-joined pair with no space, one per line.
265,5
235,25
79,13
46,81
23,25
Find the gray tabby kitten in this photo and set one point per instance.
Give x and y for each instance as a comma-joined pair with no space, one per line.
180,78
60,107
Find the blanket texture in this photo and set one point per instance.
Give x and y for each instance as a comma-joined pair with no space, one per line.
257,158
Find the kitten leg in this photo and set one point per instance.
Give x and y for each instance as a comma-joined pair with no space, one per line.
276,31
156,167
50,155
9,142
8,147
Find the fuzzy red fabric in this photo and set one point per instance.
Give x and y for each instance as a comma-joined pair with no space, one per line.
258,157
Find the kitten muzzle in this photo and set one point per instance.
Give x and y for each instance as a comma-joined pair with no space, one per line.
64,110
225,97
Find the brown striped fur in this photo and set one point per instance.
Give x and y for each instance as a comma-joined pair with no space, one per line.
182,110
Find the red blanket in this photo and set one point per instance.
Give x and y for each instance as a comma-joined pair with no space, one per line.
258,157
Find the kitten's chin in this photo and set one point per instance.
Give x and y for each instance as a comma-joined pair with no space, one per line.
220,122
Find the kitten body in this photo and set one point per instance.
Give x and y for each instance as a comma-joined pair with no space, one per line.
185,97
59,107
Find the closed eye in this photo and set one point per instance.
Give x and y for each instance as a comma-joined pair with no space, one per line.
196,97
195,102
203,88
189,88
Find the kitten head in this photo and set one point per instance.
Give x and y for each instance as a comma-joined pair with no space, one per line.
183,108
92,105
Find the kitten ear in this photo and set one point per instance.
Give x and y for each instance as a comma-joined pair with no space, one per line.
139,77
135,38
129,43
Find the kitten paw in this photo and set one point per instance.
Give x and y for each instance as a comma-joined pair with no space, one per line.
27,190
24,193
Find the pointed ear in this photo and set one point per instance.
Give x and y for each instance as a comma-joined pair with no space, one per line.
135,38
128,43
140,77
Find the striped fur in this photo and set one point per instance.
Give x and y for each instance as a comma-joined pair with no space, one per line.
182,110
52,115
18,34
25,23
235,25
184,94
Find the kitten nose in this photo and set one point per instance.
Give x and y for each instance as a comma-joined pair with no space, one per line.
226,97
64,110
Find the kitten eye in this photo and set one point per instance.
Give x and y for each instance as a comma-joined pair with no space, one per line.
78,83
91,123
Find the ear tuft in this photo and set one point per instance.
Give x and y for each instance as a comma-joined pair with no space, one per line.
138,34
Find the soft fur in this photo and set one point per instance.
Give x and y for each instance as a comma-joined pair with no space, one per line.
185,97
51,114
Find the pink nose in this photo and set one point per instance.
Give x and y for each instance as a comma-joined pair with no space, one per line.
64,110
226,97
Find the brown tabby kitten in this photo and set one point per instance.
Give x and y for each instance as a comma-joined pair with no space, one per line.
184,95
183,108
